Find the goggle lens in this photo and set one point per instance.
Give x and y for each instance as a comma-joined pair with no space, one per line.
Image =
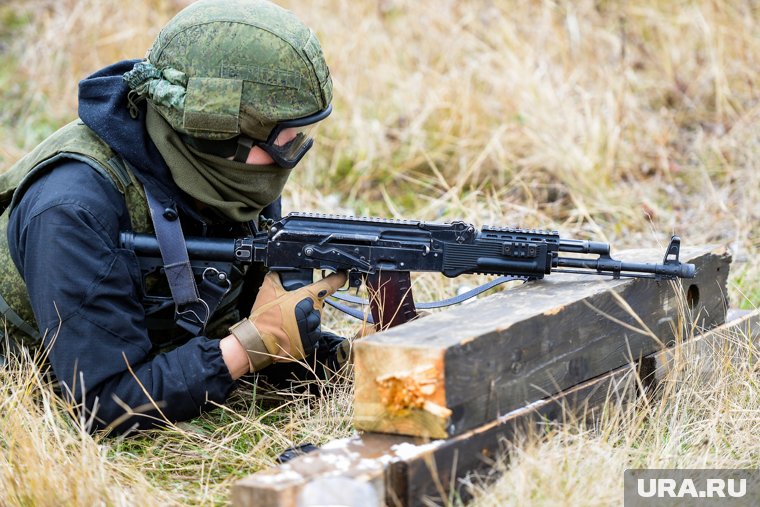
287,143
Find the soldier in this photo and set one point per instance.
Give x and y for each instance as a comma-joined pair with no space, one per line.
197,139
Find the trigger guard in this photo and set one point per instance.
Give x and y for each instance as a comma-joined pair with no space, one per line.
293,279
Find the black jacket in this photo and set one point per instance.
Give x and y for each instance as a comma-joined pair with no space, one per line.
85,290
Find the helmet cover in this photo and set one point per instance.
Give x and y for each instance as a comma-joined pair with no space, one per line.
220,68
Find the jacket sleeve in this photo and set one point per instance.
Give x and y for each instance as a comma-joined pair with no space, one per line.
85,292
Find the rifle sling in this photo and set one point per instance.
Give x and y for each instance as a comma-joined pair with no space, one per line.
358,314
193,308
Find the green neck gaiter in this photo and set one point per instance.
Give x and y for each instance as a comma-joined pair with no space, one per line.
236,190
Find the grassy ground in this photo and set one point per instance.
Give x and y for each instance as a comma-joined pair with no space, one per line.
621,121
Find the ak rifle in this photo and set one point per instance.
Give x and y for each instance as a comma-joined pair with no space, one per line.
381,253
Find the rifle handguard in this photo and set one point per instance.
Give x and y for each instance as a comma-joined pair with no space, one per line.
250,338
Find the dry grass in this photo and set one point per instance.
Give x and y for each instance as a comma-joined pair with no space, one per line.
624,121
47,456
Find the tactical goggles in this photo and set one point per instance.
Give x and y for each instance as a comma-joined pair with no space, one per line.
286,144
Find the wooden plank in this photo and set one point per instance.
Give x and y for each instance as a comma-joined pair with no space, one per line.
454,371
409,471
391,466
416,478
360,460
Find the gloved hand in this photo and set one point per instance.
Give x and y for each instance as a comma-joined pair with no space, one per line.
284,326
334,351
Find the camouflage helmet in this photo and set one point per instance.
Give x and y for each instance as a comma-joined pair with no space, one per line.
220,68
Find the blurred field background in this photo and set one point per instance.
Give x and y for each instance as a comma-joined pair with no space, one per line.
619,121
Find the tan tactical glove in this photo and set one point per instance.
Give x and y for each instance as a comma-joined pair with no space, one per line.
284,326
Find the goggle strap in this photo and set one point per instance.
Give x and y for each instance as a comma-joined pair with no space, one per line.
244,145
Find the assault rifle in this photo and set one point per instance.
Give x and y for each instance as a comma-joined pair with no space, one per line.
381,253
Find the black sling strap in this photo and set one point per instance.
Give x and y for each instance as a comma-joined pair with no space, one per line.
192,308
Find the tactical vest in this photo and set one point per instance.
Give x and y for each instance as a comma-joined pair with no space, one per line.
74,141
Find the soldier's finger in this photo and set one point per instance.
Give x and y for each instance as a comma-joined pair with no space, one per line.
329,284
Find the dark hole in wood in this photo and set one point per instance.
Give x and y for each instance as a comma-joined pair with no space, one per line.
692,296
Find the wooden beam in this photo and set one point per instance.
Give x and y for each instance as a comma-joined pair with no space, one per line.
417,477
358,462
400,470
403,471
454,371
